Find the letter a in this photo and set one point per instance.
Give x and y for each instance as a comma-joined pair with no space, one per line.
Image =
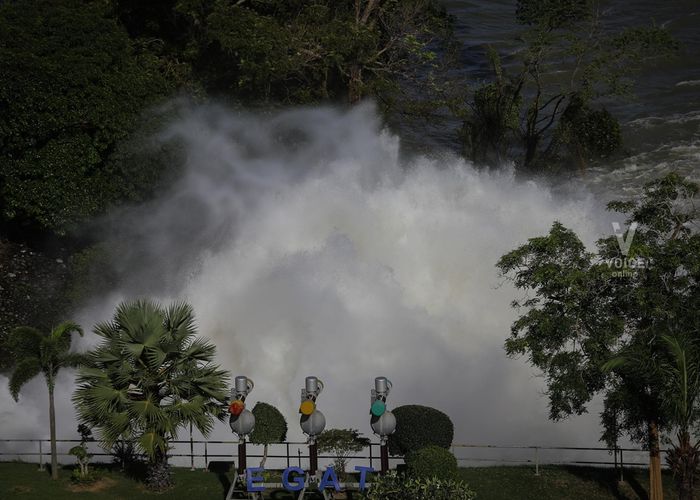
329,477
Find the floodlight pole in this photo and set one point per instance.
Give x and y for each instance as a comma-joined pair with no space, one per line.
242,457
313,457
384,456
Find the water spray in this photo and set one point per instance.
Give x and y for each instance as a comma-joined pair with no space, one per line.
383,422
312,421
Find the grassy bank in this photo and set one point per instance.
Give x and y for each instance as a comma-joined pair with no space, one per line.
23,481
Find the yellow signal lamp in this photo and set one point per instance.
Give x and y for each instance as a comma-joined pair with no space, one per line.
307,407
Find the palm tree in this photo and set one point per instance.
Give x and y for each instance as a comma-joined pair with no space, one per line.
681,373
149,377
39,352
675,372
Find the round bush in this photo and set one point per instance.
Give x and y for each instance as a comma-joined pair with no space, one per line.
420,426
432,461
270,425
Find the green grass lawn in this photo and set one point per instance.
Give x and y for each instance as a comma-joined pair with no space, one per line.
561,482
24,481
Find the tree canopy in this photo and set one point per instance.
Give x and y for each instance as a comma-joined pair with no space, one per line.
585,309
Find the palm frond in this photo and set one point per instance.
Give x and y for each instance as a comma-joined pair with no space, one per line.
62,333
72,359
26,369
180,322
24,342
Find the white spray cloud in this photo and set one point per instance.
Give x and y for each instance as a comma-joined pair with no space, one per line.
308,246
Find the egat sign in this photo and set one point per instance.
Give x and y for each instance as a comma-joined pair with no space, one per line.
293,478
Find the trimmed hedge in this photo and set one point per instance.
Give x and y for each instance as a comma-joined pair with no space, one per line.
392,486
270,425
431,461
420,426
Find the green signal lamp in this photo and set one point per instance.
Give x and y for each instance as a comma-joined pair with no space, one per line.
378,408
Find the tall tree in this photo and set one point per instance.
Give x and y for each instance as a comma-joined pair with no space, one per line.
584,309
44,353
148,378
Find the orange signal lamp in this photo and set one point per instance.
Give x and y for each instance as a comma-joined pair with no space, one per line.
307,407
236,407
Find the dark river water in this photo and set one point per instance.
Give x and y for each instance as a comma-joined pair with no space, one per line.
661,121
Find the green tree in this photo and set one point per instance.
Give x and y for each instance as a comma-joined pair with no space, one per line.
44,353
549,106
343,443
295,51
73,87
148,378
270,427
581,312
675,368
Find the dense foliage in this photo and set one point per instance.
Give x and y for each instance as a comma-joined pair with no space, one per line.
148,378
296,51
420,426
393,486
73,87
431,462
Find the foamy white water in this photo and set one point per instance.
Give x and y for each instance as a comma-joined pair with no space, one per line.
307,246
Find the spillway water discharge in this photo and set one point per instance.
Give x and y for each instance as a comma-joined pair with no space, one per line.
308,246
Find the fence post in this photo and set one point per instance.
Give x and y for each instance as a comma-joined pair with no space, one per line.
191,450
299,454
537,461
622,467
370,455
206,456
41,457
288,457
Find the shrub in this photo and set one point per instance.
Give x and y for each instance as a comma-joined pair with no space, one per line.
392,486
270,427
343,443
420,426
80,452
432,461
125,455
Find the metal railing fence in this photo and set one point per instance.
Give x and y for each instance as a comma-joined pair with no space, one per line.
199,453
